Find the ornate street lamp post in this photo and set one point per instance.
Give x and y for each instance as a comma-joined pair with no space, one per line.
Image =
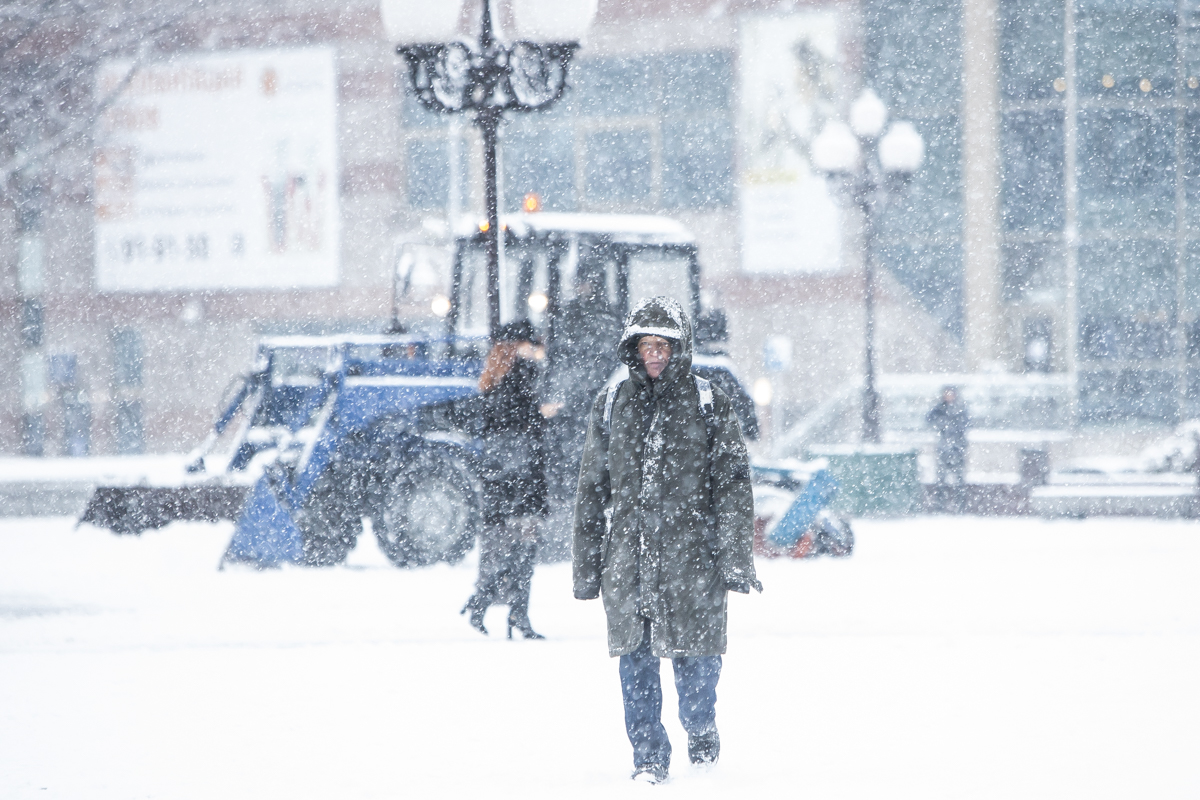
869,163
486,76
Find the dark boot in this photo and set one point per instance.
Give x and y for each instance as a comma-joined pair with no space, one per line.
518,617
524,554
478,606
650,773
705,748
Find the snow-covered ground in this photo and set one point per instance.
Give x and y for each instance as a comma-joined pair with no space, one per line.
948,658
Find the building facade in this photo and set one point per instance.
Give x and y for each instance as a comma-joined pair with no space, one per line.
1053,227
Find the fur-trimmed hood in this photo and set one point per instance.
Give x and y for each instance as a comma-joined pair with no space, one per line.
657,316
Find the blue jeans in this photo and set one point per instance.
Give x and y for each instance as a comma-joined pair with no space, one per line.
696,685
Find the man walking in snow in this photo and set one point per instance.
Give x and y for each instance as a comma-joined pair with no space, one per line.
664,521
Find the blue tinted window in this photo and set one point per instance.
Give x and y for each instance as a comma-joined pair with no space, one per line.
914,53
1032,271
1191,168
1031,48
429,173
698,163
1031,146
1129,43
1191,299
1126,169
932,270
695,83
415,115
541,161
931,203
127,357
619,166
615,86
1126,299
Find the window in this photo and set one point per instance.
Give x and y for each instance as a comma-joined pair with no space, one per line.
695,83
1032,271
1126,299
130,429
1120,45
1031,143
916,55
1190,171
127,358
540,161
1129,394
415,115
610,87
932,202
1031,48
698,163
619,166
1126,169
429,172
932,270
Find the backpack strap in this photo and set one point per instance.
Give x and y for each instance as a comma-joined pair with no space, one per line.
608,404
707,406
704,387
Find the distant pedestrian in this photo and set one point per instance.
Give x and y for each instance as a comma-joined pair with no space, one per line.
506,417
949,419
664,521
580,357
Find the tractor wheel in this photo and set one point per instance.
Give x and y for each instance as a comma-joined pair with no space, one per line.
428,511
330,521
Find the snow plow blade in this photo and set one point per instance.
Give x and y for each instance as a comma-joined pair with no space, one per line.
266,534
133,509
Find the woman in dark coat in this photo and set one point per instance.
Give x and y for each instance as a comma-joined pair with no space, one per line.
509,421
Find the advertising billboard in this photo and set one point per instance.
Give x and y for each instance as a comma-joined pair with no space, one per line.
218,172
788,89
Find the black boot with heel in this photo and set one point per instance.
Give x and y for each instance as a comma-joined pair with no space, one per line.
518,617
478,606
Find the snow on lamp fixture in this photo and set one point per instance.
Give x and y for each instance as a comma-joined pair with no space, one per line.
868,115
835,149
901,149
420,22
553,20
486,74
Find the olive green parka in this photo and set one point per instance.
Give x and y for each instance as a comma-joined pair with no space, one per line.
664,516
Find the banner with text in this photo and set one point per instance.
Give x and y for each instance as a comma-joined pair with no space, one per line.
218,172
789,82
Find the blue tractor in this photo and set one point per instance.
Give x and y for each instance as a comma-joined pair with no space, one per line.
341,432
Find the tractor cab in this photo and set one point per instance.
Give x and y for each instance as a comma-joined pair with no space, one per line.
551,262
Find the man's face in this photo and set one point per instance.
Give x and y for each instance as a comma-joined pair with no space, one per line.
655,352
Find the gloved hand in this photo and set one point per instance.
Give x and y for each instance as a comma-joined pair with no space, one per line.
743,587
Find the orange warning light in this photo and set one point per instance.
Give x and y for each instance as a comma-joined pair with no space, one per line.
532,202
483,226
